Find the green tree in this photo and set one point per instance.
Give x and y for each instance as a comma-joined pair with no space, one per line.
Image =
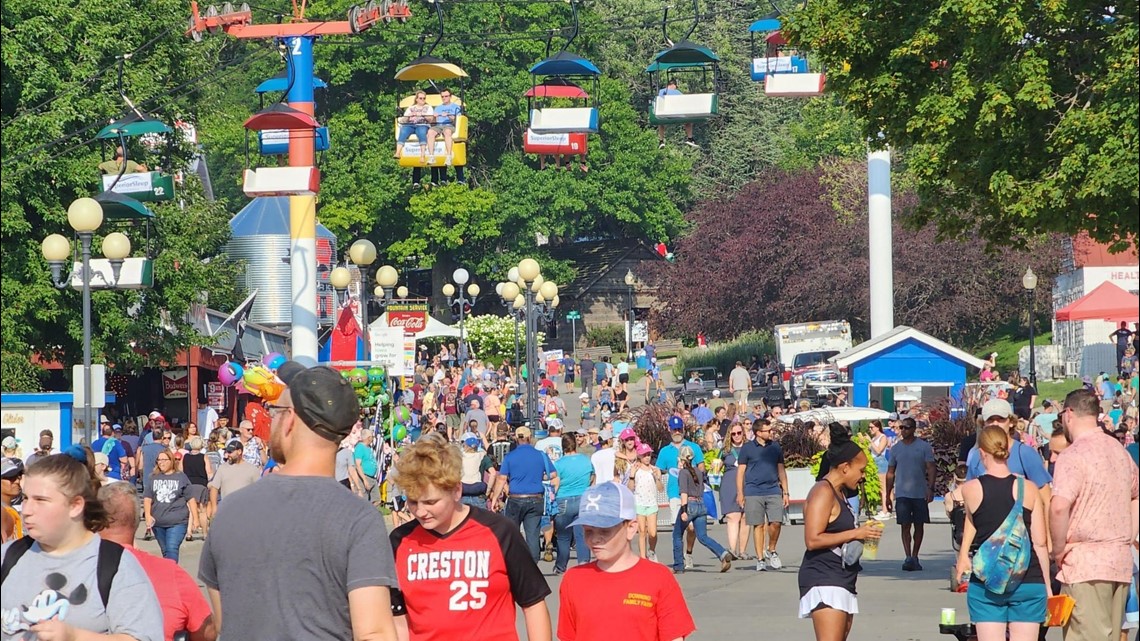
1017,118
58,84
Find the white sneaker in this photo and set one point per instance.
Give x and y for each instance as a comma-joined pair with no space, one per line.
431,160
773,560
688,561
652,556
761,566
447,161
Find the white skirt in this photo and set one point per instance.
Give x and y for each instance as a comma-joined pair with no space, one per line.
830,596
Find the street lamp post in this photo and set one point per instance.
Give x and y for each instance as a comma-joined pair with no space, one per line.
85,215
630,279
455,296
362,253
1029,282
509,304
539,299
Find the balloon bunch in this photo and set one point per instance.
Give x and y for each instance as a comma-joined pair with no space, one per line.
259,379
371,385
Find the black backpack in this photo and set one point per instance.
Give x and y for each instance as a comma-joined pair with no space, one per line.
106,567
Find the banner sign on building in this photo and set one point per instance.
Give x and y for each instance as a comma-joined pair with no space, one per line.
175,383
216,395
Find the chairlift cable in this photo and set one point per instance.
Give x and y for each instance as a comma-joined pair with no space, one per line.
31,111
228,67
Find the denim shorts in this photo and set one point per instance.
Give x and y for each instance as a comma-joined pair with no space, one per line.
1026,604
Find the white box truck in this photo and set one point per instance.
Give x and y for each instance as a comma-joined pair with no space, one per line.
803,350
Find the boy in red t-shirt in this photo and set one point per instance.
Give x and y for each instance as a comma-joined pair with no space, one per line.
619,595
463,570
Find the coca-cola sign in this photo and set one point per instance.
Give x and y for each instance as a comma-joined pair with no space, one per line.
410,317
410,322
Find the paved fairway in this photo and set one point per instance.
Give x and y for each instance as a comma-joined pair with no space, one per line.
745,604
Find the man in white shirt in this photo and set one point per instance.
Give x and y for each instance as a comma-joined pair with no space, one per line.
207,419
605,458
739,385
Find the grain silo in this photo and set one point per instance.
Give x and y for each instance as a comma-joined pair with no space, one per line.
260,238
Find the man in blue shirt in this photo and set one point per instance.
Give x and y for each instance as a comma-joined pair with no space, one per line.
522,471
762,490
701,413
1023,460
911,477
446,117
672,90
116,455
668,460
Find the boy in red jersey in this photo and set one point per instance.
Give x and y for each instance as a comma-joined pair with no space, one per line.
619,595
461,569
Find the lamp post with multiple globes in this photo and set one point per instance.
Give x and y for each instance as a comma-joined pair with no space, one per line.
533,297
455,297
85,215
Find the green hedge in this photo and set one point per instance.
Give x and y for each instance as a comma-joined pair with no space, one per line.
723,356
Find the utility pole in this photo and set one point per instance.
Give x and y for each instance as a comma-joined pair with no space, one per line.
298,37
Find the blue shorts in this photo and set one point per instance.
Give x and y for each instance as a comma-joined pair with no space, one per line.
1026,604
909,511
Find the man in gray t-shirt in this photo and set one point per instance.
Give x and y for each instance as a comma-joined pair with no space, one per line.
321,550
911,477
132,607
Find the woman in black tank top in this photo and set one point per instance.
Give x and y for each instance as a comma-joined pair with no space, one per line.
827,576
1020,609
198,470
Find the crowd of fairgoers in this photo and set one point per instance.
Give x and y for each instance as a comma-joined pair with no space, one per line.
1043,505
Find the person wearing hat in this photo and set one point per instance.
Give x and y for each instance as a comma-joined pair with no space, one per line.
299,531
668,460
594,599
47,441
582,441
11,478
109,445
234,474
11,447
1023,460
523,470
604,458
487,565
478,470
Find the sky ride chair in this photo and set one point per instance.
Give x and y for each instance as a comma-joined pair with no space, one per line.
783,70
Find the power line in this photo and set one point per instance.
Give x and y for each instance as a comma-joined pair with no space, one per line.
31,111
226,68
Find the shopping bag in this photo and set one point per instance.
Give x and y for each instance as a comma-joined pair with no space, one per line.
1058,609
710,504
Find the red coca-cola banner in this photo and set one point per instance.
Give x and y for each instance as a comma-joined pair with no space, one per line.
411,317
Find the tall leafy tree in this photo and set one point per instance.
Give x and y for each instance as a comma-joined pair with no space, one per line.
778,251
1018,118
59,85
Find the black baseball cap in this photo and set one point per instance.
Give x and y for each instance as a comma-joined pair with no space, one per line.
322,399
234,446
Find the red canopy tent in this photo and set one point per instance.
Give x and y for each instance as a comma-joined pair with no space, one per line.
1107,302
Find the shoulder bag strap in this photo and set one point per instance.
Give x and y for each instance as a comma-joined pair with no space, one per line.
15,551
107,567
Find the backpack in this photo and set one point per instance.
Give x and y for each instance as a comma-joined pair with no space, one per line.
1002,560
106,567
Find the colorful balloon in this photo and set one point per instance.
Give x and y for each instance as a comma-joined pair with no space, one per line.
403,414
273,360
375,375
230,373
255,377
400,433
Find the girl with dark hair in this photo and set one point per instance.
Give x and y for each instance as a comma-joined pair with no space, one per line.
691,482
833,538
839,434
53,589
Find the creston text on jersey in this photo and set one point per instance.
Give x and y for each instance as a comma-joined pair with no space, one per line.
449,564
